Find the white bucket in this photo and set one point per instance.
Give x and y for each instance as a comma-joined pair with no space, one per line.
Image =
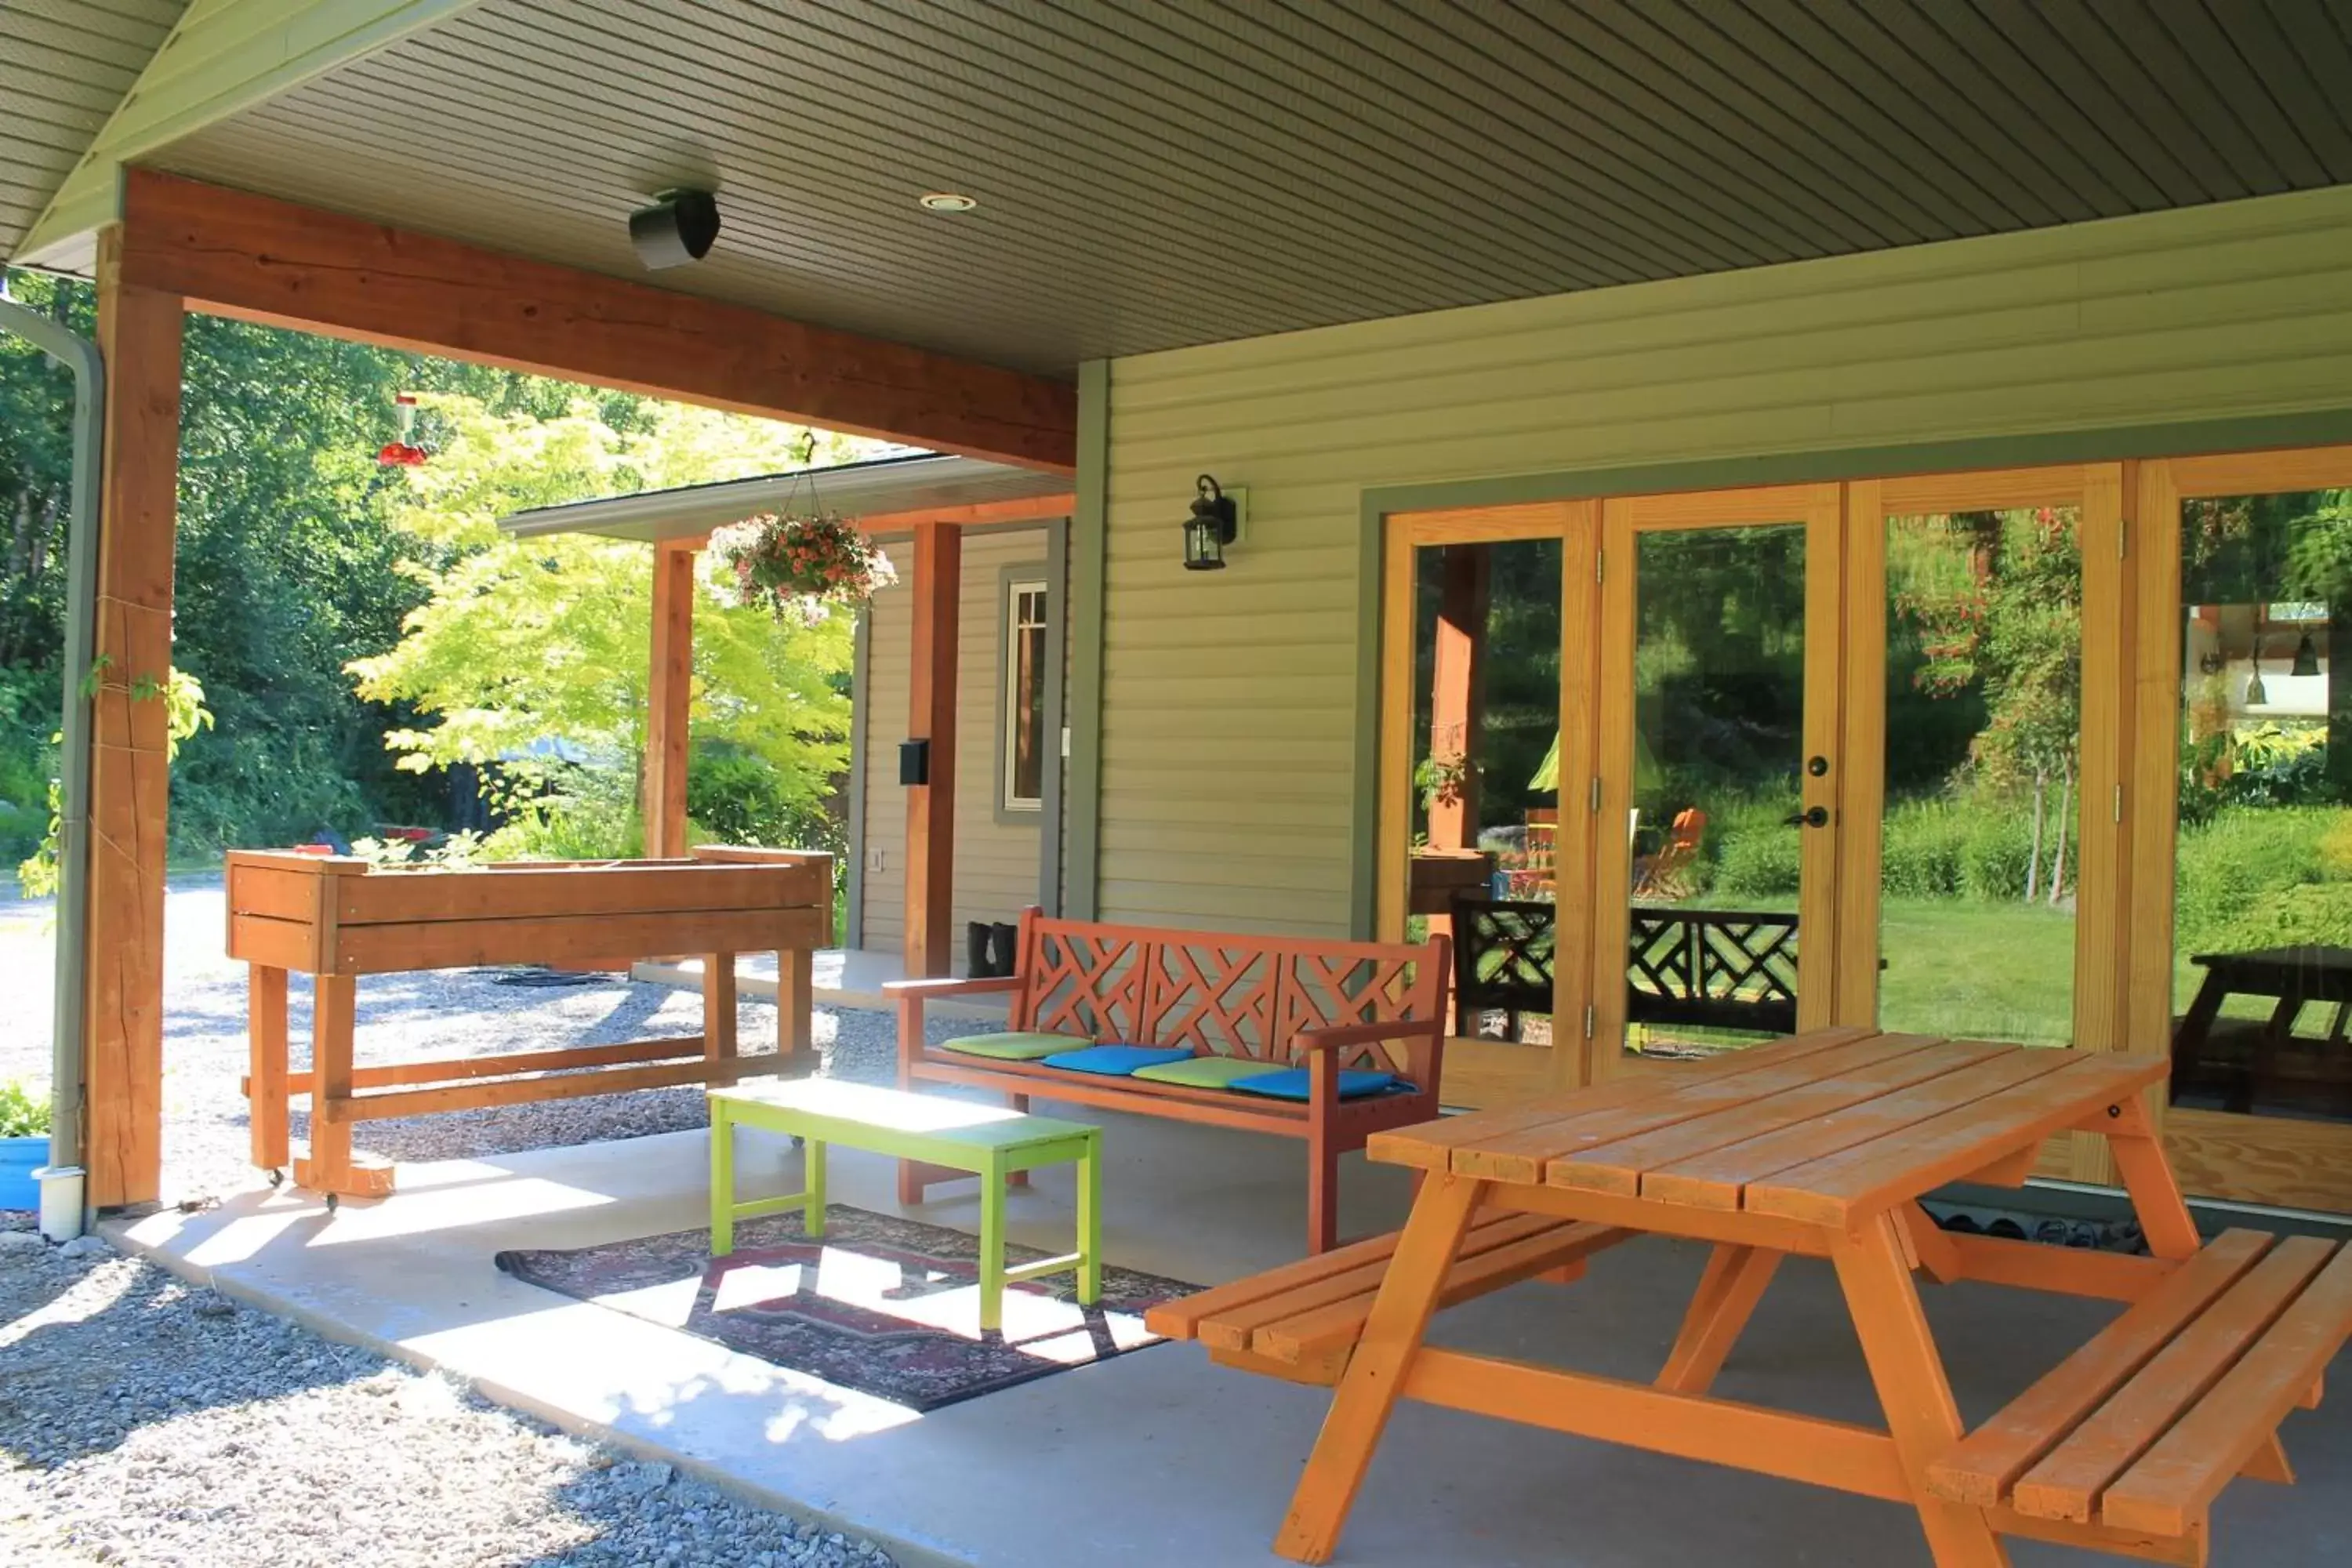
61,1192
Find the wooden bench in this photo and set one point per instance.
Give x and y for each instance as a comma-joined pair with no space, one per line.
2137,1432
1322,1006
1302,1320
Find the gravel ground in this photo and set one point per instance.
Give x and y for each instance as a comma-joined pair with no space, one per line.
145,1422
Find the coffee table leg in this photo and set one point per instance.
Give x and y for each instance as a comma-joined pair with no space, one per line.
1090,1221
812,1178
1368,1390
1909,1377
722,1179
992,1245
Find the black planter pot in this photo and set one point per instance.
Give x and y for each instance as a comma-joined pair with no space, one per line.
978,940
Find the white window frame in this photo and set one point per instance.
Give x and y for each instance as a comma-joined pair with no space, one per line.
1009,689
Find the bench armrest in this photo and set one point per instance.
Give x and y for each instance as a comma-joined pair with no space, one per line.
912,993
1424,1054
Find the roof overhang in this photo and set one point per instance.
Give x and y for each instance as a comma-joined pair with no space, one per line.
884,495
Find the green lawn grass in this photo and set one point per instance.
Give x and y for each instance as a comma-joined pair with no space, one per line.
1985,970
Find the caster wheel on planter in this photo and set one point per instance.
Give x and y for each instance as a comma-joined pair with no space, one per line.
334,1202
277,1178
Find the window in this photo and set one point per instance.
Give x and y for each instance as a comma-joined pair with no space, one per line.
1024,714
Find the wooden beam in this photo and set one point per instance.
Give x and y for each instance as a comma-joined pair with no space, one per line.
669,692
260,259
931,807
1027,509
222,57
130,778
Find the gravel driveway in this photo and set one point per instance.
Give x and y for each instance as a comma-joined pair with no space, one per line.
145,1422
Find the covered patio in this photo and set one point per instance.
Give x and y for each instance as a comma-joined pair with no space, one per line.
1155,1457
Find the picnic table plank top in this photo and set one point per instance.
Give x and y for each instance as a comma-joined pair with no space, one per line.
1825,1127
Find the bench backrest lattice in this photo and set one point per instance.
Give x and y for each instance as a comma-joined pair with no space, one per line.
1731,969
1216,995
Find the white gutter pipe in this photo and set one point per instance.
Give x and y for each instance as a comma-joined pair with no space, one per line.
67,1102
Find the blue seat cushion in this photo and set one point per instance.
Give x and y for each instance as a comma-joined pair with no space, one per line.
1292,1083
1116,1061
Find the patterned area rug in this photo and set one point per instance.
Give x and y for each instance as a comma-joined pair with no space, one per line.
889,1306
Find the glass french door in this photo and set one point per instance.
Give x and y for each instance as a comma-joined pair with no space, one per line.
1484,618
2246,702
1715,773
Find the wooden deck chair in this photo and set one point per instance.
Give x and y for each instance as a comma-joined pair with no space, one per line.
1667,874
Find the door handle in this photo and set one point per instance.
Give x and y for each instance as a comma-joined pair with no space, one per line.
1816,817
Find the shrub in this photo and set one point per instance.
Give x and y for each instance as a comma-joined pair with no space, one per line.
1756,862
1998,853
2249,874
22,1116
585,814
1922,848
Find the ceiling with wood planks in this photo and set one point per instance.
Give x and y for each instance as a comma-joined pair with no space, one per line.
1153,174
64,65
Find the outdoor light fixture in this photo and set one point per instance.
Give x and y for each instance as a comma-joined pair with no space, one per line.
2257,694
1215,524
2307,657
680,227
947,202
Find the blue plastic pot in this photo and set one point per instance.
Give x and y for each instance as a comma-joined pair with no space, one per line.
20,1158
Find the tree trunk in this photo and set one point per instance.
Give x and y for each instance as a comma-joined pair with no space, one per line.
2065,816
2034,854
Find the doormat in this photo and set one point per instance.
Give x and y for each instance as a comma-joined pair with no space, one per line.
885,1306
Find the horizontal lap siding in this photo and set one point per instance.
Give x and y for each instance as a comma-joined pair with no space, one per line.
1229,700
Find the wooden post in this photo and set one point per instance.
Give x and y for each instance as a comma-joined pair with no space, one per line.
669,692
1453,692
931,807
129,781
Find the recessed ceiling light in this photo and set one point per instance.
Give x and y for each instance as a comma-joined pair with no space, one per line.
948,202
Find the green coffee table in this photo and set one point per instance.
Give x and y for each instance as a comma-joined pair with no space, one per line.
989,1141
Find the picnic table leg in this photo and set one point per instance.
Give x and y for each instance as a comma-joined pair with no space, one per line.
1368,1390
264,1090
2189,1036
2147,1178
1728,1293
1912,1389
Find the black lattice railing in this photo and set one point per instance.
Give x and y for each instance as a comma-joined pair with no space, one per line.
1502,960
1724,969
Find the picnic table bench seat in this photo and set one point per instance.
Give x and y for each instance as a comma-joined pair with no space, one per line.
2140,1429
1326,1041
1300,1321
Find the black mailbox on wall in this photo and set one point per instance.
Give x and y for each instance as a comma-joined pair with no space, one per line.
914,762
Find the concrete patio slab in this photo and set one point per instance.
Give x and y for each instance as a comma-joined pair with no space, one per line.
1156,1460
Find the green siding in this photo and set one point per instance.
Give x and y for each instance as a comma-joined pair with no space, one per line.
1233,759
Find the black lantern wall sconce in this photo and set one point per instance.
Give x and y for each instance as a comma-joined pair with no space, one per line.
1215,523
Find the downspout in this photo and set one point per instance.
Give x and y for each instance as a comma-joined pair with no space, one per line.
79,355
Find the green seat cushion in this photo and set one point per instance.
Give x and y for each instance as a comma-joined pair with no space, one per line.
1015,1046
1208,1072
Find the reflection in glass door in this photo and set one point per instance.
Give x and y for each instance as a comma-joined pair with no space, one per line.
1720,660
2260,974
1980,844
1470,779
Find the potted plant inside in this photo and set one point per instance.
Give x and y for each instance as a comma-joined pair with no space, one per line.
24,1146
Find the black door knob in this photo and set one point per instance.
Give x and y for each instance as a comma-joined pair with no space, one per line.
1817,816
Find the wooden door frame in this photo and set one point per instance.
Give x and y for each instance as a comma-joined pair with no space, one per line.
1575,524
1818,509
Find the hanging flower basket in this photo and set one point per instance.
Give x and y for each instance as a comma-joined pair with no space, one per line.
800,566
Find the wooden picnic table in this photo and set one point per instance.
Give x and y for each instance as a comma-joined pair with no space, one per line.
1821,1146
2293,977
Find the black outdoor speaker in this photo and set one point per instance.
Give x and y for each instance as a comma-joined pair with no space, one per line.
914,762
677,228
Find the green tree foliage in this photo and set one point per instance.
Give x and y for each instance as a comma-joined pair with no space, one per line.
522,647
